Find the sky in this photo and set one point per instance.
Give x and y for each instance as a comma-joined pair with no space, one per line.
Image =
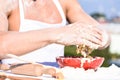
109,7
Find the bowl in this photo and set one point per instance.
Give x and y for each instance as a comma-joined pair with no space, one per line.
80,62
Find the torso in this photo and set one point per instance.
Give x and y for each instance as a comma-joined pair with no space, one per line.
45,8
23,19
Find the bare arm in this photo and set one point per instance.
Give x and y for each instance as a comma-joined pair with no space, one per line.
22,42
19,43
75,13
3,22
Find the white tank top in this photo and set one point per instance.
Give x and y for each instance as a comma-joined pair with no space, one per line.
45,54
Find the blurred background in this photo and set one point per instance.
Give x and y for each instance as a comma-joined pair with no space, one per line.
106,12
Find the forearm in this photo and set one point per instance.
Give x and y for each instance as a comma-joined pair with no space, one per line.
19,43
87,19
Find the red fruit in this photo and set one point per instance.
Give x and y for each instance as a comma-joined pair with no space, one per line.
93,63
72,62
86,63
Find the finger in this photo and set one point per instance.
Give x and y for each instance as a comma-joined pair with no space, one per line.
50,71
95,32
90,44
59,76
91,38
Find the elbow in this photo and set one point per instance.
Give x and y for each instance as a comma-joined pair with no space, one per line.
3,46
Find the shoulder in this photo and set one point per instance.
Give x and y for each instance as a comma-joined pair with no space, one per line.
69,4
6,6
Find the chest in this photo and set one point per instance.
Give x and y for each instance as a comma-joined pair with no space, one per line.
39,10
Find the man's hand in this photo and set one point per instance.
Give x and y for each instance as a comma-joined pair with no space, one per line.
80,33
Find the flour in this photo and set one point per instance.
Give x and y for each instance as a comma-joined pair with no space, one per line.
103,73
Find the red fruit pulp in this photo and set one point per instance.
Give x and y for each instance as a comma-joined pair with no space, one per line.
93,63
72,62
86,63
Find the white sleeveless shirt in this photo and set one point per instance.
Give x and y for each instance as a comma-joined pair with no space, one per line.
45,54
